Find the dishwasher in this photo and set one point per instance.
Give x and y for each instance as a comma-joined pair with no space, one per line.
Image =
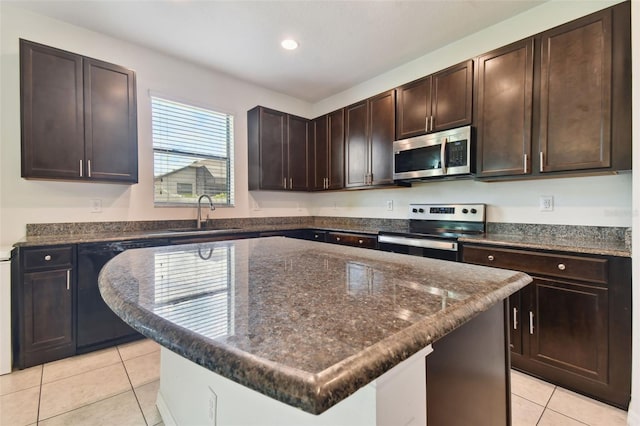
97,325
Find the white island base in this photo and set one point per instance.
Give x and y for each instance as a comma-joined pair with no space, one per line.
192,395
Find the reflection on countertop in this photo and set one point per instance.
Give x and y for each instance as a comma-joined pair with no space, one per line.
303,322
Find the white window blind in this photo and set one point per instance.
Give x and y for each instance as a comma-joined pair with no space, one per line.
192,153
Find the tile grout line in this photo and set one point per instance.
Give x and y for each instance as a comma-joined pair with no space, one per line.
135,395
546,405
39,394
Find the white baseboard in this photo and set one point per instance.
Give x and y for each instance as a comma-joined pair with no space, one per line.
165,413
633,418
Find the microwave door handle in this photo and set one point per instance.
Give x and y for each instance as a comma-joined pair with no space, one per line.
443,149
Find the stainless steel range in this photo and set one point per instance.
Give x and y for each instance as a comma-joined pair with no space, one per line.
434,230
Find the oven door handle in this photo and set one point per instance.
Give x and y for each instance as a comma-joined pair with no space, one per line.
419,242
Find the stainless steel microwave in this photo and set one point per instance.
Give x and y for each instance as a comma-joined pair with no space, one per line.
445,153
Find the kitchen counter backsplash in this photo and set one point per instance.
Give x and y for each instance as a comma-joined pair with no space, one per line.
615,239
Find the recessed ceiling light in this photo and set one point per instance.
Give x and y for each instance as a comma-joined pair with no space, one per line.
289,44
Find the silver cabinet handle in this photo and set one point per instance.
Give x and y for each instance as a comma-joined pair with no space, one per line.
562,266
68,279
541,161
515,318
315,236
80,168
284,183
530,322
526,164
432,123
490,257
47,257
360,241
89,168
426,124
337,238
290,183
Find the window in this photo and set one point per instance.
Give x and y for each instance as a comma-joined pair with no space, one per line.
192,153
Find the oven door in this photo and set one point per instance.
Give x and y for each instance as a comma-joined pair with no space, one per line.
424,247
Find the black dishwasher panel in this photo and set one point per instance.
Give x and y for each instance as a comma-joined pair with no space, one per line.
98,327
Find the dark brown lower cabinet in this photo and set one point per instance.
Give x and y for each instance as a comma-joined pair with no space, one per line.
468,380
572,325
43,300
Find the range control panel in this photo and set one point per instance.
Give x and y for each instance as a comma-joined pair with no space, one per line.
453,212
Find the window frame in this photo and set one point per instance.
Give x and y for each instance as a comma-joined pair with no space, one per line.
230,150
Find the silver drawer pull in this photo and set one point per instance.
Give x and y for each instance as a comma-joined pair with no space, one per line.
47,257
337,238
360,241
515,318
562,266
530,322
315,236
490,257
68,279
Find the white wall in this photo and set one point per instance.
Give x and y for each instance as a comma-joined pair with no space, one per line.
602,201
23,201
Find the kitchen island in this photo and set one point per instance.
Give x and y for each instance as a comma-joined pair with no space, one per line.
314,333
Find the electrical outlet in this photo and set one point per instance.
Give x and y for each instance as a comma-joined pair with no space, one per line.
389,205
546,203
96,205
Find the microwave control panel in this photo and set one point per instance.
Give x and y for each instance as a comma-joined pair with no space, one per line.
457,153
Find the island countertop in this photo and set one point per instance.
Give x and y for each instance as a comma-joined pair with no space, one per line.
305,323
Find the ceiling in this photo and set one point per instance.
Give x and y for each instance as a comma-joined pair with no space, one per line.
342,43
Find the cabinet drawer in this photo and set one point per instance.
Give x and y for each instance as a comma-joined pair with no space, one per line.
589,269
48,257
352,240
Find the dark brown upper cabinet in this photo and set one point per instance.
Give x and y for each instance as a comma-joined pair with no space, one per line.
437,102
504,96
79,119
369,134
585,93
278,150
327,166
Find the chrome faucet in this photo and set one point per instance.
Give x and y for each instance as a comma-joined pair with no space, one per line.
211,208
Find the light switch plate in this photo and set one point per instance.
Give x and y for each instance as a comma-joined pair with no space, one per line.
96,205
389,205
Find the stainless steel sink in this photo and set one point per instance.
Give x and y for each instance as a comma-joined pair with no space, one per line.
193,230
207,230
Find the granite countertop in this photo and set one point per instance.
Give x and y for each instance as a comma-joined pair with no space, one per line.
303,322
605,241
574,245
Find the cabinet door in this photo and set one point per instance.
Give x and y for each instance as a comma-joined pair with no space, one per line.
356,145
336,149
297,130
575,95
381,133
451,96
48,313
111,136
504,109
272,149
413,108
319,163
51,107
566,315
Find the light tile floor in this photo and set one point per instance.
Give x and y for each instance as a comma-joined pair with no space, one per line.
118,386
